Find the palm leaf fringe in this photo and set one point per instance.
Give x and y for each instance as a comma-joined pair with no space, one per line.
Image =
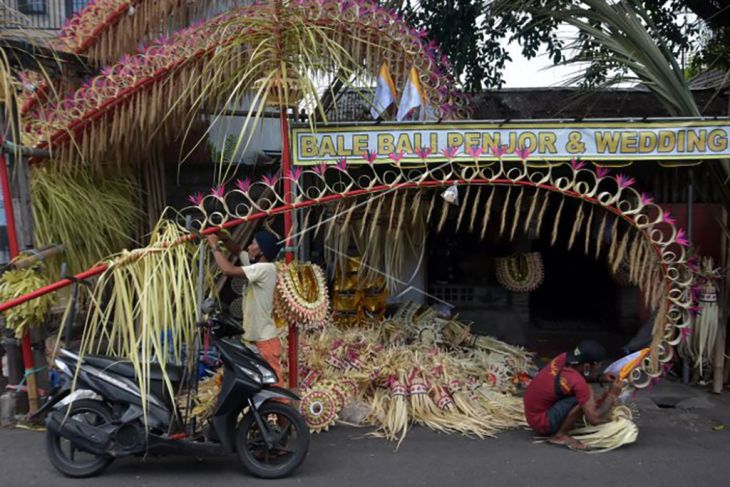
487,211
475,209
541,215
503,218
576,226
589,227
518,209
556,223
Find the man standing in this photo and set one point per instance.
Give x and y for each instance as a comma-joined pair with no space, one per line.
259,270
559,394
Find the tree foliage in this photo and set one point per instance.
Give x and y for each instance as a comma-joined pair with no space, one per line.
474,33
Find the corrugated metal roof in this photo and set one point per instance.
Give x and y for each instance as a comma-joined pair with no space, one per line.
551,103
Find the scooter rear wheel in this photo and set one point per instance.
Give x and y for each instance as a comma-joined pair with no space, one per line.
290,447
69,460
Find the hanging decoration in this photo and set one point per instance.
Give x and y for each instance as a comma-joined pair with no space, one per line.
301,295
144,306
155,90
14,283
700,345
641,232
520,273
67,203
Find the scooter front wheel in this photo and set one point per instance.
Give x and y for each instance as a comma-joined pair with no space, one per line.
290,441
69,460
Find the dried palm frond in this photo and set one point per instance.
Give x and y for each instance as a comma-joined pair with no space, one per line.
614,241
431,205
621,251
601,234
518,208
619,431
320,221
416,206
541,214
375,223
444,215
505,205
531,212
464,203
487,211
332,223
576,226
589,227
474,210
556,223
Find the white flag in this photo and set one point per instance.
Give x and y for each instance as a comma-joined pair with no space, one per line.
385,94
412,95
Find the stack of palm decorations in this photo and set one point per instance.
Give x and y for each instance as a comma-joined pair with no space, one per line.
412,368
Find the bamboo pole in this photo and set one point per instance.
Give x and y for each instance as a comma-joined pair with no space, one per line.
293,343
718,375
27,352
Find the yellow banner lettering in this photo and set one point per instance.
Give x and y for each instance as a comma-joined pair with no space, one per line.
547,143
696,141
629,142
327,147
404,144
667,141
308,145
359,144
718,140
454,139
385,144
472,139
647,142
528,139
606,142
490,140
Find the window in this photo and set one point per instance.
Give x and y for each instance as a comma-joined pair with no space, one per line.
32,7
78,5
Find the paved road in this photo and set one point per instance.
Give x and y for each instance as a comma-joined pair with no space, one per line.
676,447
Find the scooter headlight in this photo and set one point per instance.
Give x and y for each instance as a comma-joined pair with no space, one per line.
267,376
252,374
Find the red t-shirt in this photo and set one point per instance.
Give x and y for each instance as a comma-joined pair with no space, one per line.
540,394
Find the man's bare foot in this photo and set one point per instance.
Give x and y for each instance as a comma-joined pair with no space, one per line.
568,442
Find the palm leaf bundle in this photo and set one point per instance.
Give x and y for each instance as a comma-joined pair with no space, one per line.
92,217
144,305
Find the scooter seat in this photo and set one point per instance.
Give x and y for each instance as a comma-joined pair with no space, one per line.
125,368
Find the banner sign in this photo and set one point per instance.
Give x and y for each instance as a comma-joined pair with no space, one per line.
617,142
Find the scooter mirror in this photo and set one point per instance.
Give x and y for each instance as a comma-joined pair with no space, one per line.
208,305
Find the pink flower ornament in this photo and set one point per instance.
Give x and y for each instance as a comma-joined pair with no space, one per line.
243,184
196,198
396,156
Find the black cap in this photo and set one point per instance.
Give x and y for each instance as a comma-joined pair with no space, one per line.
268,243
587,352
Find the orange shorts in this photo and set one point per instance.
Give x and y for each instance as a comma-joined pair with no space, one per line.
271,352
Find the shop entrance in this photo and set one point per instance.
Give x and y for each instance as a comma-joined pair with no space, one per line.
578,298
